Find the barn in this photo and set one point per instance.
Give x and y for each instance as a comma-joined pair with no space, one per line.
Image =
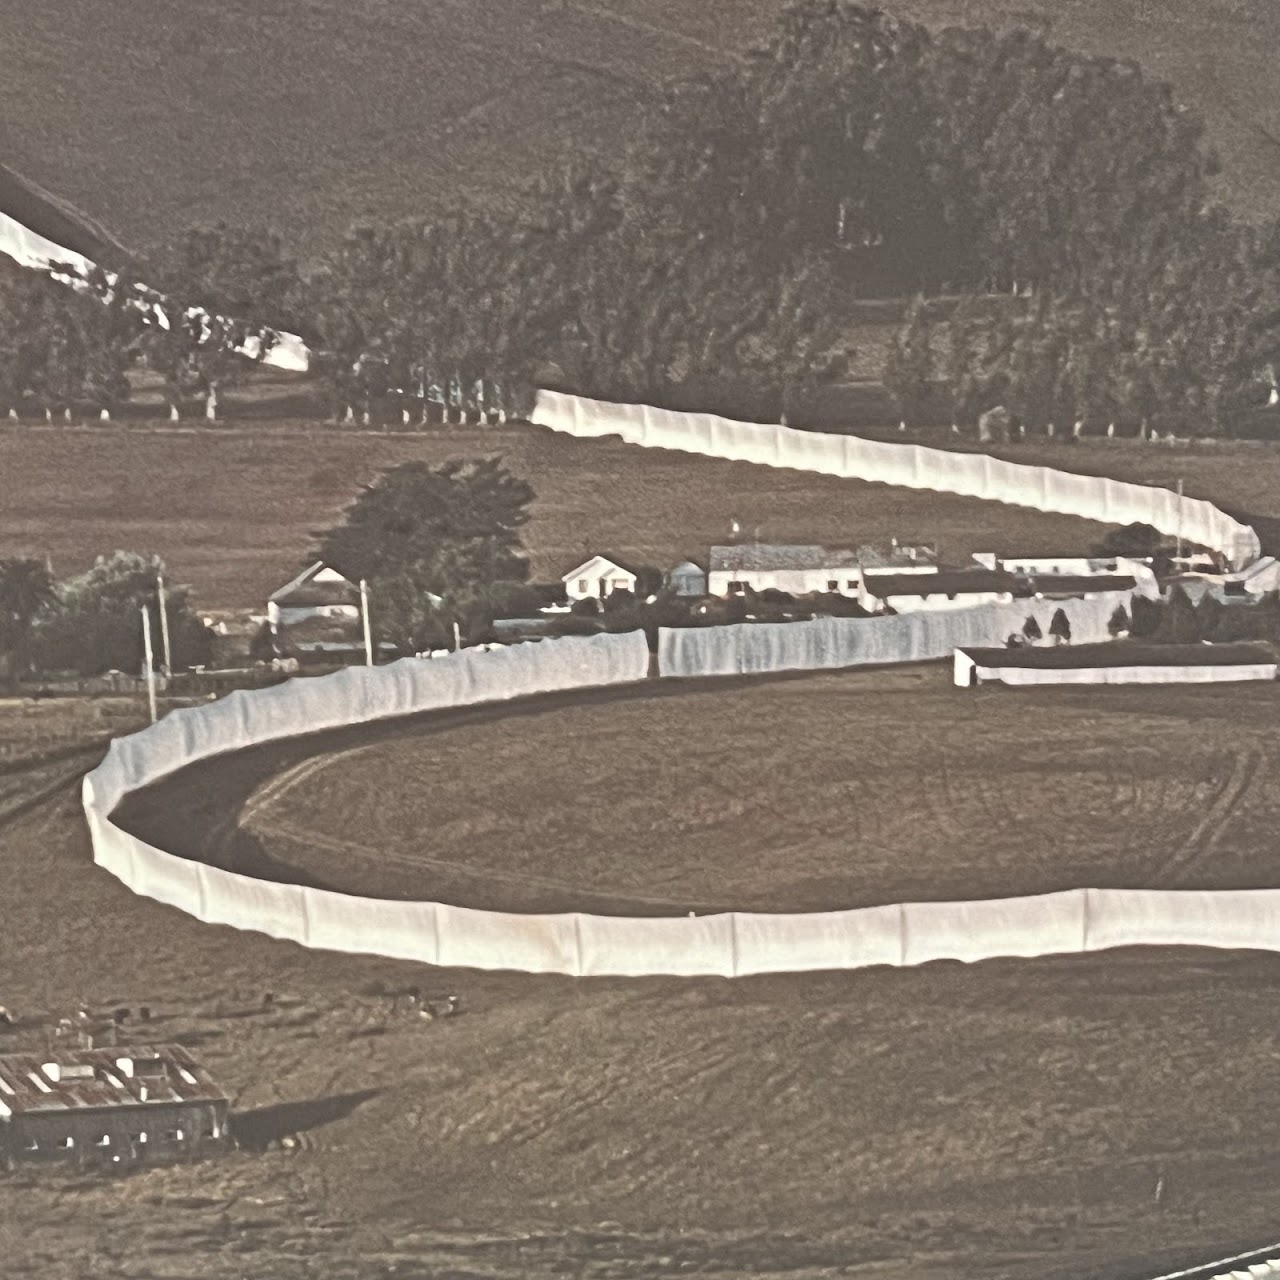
109,1108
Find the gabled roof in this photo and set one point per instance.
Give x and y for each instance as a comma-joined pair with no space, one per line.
687,566
763,557
605,561
305,591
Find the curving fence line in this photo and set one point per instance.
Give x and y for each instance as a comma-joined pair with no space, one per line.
727,945
974,475
730,944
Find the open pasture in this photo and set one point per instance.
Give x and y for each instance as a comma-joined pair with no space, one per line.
232,509
1007,1119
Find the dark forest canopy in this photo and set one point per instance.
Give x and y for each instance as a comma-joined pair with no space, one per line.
1059,202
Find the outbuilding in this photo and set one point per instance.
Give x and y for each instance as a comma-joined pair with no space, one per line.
1121,662
109,1108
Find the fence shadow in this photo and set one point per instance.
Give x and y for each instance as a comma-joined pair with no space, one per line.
256,1130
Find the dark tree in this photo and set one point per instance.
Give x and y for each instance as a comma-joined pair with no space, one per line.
1031,630
1060,627
26,595
437,546
1119,623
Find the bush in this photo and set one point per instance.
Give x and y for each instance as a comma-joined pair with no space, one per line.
1119,623
1031,630
1060,627
1179,624
1147,616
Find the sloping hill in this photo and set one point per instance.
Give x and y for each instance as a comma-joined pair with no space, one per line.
309,114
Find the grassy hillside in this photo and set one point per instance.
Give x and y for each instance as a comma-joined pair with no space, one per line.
309,114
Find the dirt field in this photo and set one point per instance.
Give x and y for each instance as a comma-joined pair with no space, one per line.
799,794
1009,1119
232,510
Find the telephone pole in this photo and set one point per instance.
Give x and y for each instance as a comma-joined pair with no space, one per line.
149,662
166,654
364,618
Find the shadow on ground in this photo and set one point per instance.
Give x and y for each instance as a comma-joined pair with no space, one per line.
256,1130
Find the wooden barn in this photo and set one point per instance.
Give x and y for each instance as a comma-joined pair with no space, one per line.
109,1108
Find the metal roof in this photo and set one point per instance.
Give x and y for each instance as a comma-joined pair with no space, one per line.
764,556
120,1076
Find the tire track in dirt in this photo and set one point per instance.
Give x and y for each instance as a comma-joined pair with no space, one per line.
1206,836
383,857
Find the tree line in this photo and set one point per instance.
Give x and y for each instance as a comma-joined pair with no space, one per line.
1051,213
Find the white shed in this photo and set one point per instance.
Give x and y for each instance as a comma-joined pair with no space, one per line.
598,577
687,579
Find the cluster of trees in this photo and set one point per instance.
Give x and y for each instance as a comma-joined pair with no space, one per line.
91,623
1176,620
1051,212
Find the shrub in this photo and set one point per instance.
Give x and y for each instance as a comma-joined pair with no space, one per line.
1119,623
1031,630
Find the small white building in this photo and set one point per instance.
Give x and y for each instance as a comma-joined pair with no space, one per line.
319,591
598,577
687,579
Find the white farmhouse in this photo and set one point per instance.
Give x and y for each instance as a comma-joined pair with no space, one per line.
319,591
797,569
598,577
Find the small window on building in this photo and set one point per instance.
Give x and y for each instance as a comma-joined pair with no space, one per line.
851,584
1234,589
140,1138
833,585
584,585
173,1135
737,588
66,1143
103,1140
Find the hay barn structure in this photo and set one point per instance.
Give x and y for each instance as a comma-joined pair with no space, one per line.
109,1108
1117,663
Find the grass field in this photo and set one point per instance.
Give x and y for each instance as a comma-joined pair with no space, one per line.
808,794
232,511
311,114
1009,1119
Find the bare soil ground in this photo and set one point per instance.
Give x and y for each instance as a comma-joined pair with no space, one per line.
232,510
1005,1120
802,794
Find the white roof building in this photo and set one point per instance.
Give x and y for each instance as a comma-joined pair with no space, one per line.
598,577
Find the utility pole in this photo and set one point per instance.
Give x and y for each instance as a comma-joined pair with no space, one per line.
1179,517
166,653
149,662
364,618
457,637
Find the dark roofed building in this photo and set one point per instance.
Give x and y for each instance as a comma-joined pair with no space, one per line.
112,1108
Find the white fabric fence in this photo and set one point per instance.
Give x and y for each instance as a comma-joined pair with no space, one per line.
911,466
30,249
728,945
746,648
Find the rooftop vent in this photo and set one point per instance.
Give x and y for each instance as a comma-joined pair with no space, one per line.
59,1071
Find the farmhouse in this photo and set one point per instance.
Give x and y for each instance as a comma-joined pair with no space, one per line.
795,569
1074,566
111,1108
319,591
599,577
1116,663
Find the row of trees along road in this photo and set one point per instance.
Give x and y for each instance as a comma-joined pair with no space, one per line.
1052,213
